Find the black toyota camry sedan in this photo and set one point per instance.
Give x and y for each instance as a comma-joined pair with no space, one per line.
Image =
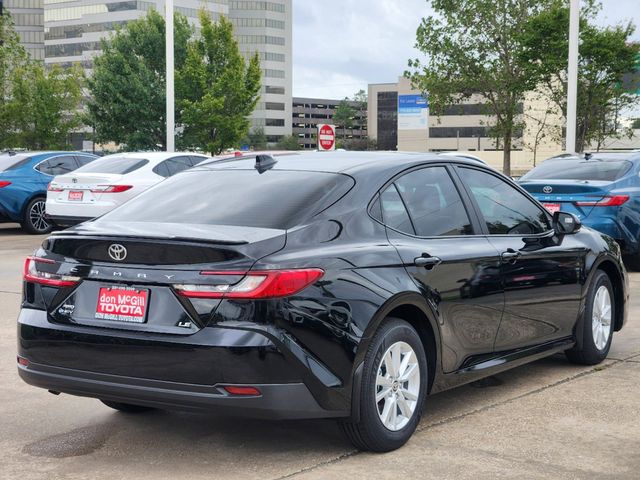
319,285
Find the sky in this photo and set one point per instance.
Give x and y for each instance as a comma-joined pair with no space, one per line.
340,46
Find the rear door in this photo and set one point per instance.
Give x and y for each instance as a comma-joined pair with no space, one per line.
540,273
457,270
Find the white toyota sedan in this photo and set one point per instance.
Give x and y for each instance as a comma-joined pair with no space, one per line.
104,184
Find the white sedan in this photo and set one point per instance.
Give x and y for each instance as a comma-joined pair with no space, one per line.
104,184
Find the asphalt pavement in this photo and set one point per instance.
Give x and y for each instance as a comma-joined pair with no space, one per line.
549,419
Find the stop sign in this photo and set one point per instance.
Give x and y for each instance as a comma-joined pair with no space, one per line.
326,137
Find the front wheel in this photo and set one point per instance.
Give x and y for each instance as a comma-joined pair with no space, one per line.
34,220
394,386
597,323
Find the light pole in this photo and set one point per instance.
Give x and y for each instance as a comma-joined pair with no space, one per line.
170,114
572,74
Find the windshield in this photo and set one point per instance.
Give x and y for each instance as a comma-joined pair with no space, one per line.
10,162
594,169
117,165
277,199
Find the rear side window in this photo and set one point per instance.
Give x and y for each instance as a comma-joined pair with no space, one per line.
178,164
505,209
277,199
58,165
434,204
115,165
394,212
84,160
594,169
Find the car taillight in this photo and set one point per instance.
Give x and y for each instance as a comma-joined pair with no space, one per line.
111,188
609,201
32,274
4,183
54,188
254,285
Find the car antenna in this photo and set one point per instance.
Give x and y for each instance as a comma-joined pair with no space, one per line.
264,163
588,155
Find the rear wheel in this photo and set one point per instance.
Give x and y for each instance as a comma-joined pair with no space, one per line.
126,407
597,323
34,220
394,383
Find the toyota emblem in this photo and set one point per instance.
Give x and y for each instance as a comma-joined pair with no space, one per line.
117,252
547,189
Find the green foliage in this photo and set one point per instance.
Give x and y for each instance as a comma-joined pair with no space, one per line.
343,116
606,55
218,89
44,105
127,87
290,142
474,47
636,124
256,139
12,56
357,144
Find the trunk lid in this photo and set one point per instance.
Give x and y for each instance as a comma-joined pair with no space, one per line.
566,192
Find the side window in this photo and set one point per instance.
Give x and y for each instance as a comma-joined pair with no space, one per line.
434,204
195,160
394,213
505,210
83,160
61,165
178,164
44,167
162,169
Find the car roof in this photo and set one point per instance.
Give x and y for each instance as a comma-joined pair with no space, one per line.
600,156
336,162
154,155
25,154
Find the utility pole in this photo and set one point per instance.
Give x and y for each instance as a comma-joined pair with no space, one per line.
572,73
170,114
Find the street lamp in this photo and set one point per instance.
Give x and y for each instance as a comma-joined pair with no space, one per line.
170,114
572,74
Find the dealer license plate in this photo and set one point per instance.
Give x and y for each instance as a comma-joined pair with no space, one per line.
76,196
122,304
552,207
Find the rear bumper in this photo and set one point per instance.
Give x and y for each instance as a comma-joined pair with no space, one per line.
290,401
67,221
185,372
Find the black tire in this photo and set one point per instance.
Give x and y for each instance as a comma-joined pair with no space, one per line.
589,353
369,432
127,407
33,220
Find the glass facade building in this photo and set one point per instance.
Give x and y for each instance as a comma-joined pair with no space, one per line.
29,23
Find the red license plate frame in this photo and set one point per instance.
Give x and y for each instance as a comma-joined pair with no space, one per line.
76,196
122,304
552,207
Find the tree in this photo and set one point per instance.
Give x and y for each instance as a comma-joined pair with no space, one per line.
474,47
127,104
343,116
606,55
45,105
256,139
635,125
289,142
12,56
219,89
361,101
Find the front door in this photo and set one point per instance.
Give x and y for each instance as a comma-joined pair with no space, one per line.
457,271
540,273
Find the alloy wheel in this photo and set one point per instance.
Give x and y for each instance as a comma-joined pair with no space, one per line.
601,318
37,216
397,386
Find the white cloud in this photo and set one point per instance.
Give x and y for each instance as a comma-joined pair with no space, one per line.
340,46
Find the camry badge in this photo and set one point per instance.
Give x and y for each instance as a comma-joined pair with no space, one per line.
547,189
117,252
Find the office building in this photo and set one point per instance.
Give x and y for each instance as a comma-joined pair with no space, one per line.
308,113
266,27
28,18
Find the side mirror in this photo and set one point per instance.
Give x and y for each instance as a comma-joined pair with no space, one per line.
565,223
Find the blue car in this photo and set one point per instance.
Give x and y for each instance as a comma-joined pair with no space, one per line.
24,178
602,189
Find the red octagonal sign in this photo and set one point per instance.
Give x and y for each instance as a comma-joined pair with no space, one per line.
326,137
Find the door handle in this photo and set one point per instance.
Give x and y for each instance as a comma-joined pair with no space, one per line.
510,256
427,262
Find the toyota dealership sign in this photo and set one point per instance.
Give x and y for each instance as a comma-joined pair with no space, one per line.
326,137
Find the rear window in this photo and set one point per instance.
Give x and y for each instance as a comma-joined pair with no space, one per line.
604,170
12,162
277,199
116,165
